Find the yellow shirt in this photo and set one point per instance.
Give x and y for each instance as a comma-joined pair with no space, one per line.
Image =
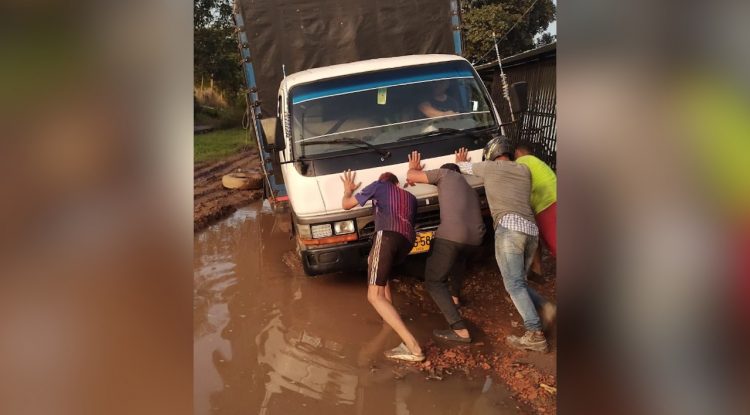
543,183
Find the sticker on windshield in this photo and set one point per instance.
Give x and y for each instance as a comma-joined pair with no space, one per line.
474,105
382,95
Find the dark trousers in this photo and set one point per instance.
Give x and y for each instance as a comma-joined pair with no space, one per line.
447,259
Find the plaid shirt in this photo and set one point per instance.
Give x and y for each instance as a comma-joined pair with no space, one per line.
510,221
465,167
517,223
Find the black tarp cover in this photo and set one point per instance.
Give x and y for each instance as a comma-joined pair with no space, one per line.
304,34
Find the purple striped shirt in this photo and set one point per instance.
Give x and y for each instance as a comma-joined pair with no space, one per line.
395,208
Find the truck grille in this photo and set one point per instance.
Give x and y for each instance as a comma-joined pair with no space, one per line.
425,221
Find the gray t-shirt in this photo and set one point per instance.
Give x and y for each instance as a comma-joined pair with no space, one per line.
460,214
507,185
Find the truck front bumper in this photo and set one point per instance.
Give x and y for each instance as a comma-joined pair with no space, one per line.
353,255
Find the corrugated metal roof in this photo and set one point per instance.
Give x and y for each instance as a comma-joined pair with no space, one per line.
546,50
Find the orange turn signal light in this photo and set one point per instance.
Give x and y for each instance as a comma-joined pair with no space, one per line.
330,240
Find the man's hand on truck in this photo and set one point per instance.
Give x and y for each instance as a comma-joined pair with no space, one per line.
349,201
415,173
462,155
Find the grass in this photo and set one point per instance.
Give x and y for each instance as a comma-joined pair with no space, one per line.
201,118
219,144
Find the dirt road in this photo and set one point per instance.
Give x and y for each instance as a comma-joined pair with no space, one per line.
269,340
211,201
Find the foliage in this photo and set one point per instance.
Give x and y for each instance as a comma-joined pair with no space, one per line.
216,55
545,39
230,117
219,144
482,17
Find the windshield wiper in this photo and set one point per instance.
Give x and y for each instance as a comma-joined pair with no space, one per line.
442,131
384,154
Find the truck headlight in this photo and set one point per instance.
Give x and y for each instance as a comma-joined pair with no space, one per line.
304,231
321,231
343,227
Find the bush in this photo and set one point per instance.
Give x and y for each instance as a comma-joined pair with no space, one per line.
230,117
215,110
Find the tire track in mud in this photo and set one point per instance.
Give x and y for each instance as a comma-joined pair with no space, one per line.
211,201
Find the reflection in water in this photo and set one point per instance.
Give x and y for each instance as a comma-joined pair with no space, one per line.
270,340
306,364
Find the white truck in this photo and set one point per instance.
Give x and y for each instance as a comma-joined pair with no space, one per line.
364,115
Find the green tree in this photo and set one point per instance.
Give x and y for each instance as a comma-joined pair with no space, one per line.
216,54
545,39
482,17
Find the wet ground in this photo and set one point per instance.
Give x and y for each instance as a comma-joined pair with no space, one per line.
211,201
270,340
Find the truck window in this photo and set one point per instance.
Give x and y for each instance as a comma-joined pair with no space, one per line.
383,106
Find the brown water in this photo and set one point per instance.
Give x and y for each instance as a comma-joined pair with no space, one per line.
270,340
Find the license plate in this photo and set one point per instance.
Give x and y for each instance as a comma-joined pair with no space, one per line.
422,242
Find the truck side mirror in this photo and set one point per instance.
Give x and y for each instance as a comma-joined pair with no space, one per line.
268,129
279,141
273,134
519,97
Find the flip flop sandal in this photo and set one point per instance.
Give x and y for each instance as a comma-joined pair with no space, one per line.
401,352
450,335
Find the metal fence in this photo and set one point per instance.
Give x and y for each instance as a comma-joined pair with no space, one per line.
536,126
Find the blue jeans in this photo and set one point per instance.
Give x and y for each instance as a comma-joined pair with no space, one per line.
514,251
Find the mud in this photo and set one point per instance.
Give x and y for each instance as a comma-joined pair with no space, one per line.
211,201
270,340
531,377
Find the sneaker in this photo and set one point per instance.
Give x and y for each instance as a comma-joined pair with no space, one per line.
548,313
531,340
401,352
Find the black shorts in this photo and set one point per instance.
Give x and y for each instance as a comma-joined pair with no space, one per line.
388,249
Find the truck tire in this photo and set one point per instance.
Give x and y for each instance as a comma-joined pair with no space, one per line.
305,267
242,181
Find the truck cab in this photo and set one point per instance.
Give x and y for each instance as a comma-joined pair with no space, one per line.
367,116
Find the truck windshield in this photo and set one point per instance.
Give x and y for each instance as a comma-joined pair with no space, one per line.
382,107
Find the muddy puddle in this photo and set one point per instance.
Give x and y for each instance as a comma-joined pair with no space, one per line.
269,340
